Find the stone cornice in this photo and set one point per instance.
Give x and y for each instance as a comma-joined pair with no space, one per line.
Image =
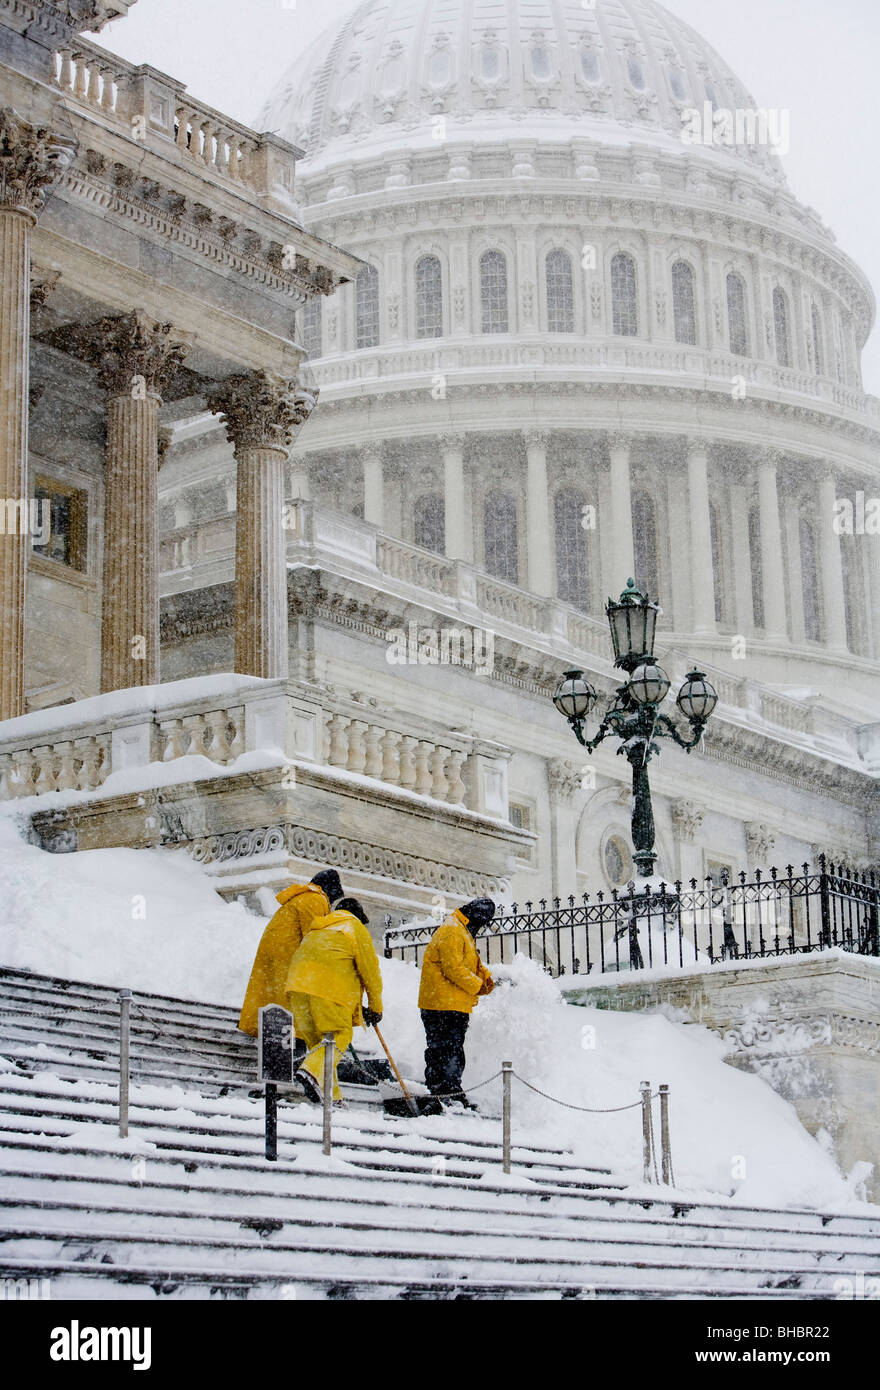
176,218
58,21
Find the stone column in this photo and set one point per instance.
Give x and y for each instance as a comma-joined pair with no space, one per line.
262,414
742,573
135,358
458,542
623,554
374,485
831,568
539,539
30,158
702,585
772,571
563,782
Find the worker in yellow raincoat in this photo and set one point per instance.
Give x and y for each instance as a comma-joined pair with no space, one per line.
336,962
300,906
453,979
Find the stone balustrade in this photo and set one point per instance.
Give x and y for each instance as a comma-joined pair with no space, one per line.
415,566
206,139
583,355
76,747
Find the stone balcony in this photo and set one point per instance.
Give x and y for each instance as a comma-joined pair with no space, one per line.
263,781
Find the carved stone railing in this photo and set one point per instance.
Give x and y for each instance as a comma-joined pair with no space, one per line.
413,565
77,747
585,355
157,110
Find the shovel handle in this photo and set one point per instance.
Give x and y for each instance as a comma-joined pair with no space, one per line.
413,1108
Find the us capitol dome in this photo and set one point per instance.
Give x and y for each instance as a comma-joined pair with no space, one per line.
583,348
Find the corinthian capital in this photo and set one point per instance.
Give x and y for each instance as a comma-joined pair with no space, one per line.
260,410
31,157
133,353
564,779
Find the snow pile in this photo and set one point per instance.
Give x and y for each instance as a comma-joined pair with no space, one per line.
133,919
731,1135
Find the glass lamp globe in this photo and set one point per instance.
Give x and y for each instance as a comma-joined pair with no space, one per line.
649,684
574,697
632,621
697,698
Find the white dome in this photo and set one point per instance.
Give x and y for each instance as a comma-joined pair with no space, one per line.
621,71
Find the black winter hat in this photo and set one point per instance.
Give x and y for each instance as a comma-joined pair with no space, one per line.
479,912
328,880
354,907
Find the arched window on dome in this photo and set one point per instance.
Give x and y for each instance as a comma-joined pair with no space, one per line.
809,580
542,68
429,298
440,68
636,74
310,327
367,316
676,83
589,65
736,315
756,566
493,291
500,544
644,525
429,522
816,327
560,292
684,305
711,95
490,62
716,541
624,300
780,328
572,559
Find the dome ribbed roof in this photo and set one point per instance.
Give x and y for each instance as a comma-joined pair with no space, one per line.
496,69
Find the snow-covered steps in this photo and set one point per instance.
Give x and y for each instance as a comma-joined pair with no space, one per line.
406,1209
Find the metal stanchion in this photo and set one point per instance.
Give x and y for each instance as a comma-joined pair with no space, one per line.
271,1122
506,1074
665,1149
645,1088
329,1044
124,1059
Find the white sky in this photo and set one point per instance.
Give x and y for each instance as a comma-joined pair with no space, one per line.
816,59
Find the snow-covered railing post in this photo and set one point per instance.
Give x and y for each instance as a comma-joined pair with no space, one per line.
329,1044
506,1074
275,1054
647,1129
124,1062
665,1147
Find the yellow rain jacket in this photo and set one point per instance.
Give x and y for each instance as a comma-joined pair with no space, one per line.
337,961
300,905
453,976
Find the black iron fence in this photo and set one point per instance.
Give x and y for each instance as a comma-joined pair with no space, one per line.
679,925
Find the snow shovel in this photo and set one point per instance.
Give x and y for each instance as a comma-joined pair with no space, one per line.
423,1105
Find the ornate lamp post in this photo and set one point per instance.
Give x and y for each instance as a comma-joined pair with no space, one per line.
634,715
